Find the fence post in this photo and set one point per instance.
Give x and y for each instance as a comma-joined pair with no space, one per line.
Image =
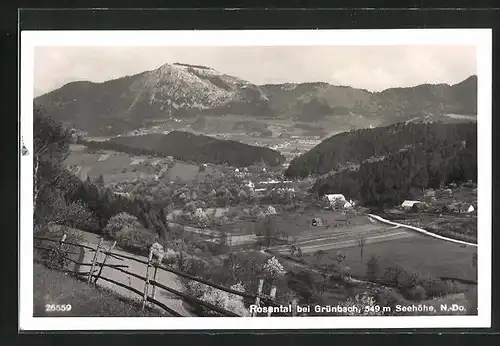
257,299
58,252
146,283
104,261
294,307
62,240
154,279
89,280
273,296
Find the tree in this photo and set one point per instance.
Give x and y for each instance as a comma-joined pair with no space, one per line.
319,255
372,268
392,275
366,305
100,181
76,215
299,252
119,222
361,244
51,147
340,258
269,230
242,196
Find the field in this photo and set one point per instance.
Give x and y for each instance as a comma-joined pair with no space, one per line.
420,254
116,167
393,245
337,231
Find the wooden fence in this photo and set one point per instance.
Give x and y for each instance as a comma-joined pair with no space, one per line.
95,273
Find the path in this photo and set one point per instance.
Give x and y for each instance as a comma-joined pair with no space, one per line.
166,278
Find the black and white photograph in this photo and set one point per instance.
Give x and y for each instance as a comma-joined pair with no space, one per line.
322,178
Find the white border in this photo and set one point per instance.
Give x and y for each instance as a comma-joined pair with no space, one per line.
481,38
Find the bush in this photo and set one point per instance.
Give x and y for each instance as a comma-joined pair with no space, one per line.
228,301
417,293
119,222
137,241
389,297
77,215
393,275
437,288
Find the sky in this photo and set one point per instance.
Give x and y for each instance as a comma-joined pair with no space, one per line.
374,68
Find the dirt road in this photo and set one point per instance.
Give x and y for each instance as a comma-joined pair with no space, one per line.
166,278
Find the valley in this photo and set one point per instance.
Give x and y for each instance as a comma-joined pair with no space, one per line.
229,177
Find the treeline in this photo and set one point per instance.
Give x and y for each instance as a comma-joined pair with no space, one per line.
61,197
185,146
406,173
354,147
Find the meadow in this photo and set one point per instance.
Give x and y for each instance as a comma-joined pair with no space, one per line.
421,254
116,167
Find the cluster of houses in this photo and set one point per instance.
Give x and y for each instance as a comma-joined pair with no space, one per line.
262,186
456,207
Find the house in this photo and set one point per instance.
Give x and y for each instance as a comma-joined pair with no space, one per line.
317,221
250,184
270,210
332,198
461,207
339,201
410,204
123,194
348,205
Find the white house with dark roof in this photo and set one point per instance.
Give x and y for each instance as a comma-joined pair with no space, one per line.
407,204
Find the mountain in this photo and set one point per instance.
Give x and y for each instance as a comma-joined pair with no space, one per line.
187,146
171,90
190,91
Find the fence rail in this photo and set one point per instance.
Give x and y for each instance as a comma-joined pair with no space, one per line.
259,297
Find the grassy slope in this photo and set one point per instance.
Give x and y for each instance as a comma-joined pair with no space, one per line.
53,287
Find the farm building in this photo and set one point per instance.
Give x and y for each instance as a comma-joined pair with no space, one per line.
461,207
410,204
317,222
333,220
123,194
339,201
332,198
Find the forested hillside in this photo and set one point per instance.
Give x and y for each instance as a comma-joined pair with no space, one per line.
450,157
186,146
352,148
